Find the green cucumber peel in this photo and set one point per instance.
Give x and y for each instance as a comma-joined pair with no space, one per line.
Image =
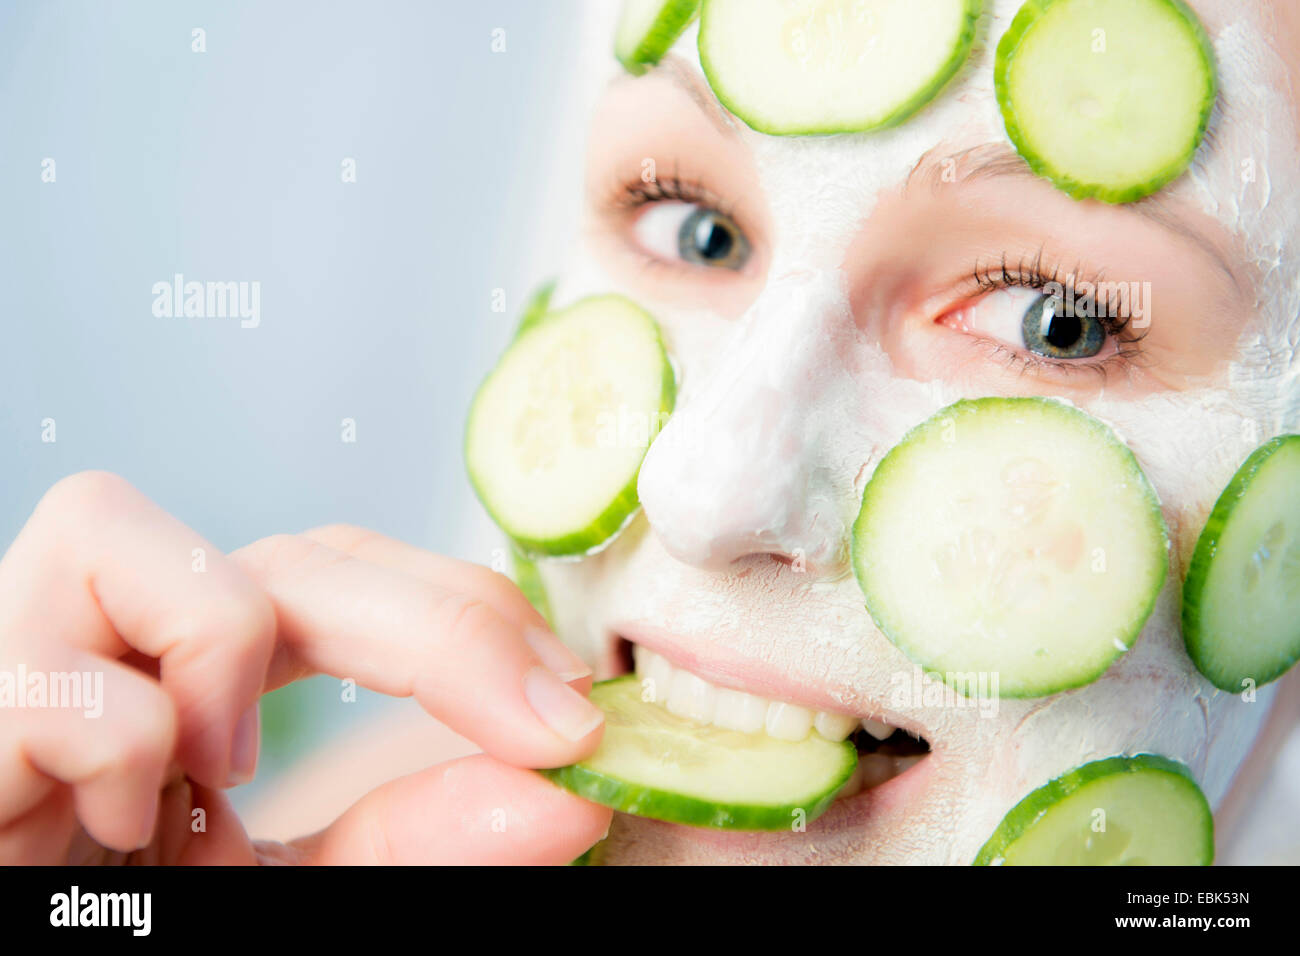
647,29
654,764
1094,131
1237,635
1136,810
964,580
736,95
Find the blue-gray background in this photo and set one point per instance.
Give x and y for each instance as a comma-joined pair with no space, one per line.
225,165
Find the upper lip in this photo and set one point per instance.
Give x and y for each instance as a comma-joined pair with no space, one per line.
725,668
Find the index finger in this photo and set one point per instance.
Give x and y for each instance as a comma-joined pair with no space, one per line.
484,676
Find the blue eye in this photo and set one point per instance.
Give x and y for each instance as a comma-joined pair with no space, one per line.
710,238
1052,329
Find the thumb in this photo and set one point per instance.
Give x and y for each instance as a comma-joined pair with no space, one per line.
475,810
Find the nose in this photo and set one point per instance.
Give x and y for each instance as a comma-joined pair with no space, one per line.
741,468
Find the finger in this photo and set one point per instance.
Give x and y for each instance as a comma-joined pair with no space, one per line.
493,588
112,748
100,567
470,811
199,827
399,635
42,836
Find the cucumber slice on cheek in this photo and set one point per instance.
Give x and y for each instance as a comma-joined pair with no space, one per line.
832,66
1121,811
557,432
653,763
1106,98
1241,599
1014,537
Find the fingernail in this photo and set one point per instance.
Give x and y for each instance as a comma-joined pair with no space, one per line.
559,706
561,661
244,746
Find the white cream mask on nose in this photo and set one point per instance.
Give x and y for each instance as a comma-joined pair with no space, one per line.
735,473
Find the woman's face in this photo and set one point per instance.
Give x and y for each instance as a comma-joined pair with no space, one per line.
820,296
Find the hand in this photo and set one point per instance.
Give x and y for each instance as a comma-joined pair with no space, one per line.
102,582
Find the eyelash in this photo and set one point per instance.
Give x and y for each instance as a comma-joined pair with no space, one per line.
626,198
1034,273
635,194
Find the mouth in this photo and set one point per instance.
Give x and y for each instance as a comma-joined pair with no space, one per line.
886,751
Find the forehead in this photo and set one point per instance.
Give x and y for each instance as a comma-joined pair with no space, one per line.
1244,164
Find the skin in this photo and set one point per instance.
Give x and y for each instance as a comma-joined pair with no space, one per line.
100,579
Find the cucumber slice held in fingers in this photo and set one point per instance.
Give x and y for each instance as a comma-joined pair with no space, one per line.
557,432
1014,537
1122,811
652,763
647,29
1106,98
1241,598
832,67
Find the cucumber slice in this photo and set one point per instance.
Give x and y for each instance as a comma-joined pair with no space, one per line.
832,67
593,857
652,763
1154,815
1011,536
529,581
1241,599
535,308
1106,98
647,29
549,447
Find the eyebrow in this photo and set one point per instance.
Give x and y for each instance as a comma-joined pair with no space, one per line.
679,72
1000,161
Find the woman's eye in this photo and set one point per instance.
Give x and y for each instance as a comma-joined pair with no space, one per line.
1051,329
1027,319
692,233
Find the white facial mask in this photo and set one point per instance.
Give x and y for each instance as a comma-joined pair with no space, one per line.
783,414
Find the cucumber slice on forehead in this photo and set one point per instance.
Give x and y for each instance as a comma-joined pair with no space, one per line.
647,29
1241,598
1014,537
1121,811
652,763
557,432
1106,98
832,66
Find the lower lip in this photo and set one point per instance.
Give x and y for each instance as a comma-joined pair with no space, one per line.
853,813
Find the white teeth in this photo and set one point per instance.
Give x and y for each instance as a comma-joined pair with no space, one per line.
834,726
788,721
876,728
655,672
687,695
691,696
737,710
